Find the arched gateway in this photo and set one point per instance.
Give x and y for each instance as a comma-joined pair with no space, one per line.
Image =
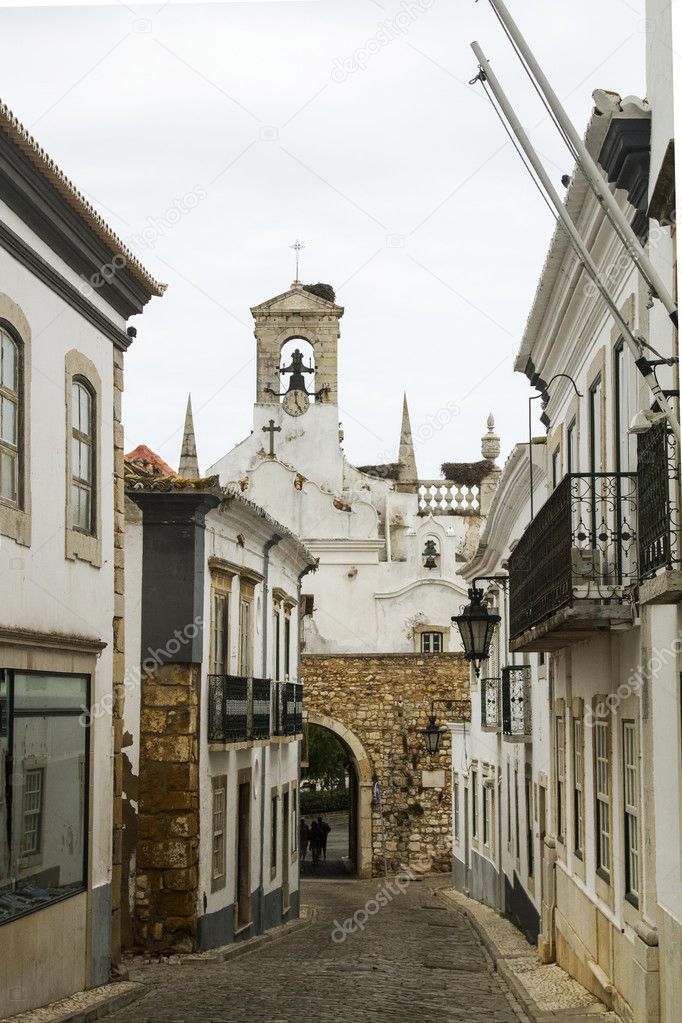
360,817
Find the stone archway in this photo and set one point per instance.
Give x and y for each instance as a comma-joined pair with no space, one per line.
363,767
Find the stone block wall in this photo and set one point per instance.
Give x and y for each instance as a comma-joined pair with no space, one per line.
167,879
384,700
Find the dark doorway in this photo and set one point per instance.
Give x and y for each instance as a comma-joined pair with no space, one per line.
286,851
243,854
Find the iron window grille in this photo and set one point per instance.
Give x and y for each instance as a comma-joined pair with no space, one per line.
516,703
659,511
490,704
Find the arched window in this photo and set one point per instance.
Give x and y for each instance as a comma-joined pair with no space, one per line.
82,456
10,418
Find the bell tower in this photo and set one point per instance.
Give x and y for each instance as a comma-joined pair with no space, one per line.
307,312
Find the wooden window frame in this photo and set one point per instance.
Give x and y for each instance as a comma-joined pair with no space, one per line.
632,872
89,441
218,790
603,798
38,815
473,774
432,633
572,446
220,592
560,775
578,763
79,544
15,397
15,517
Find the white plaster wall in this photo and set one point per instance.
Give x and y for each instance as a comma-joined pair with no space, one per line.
659,78
281,759
45,591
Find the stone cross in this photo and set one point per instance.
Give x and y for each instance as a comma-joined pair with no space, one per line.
272,430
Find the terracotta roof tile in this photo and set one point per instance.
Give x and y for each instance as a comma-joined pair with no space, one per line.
147,459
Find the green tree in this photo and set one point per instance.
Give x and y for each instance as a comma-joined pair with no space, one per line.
327,759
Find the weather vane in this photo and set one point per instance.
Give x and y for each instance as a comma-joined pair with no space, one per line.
297,246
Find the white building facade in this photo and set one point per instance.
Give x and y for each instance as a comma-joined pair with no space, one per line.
592,796
214,716
500,759
68,288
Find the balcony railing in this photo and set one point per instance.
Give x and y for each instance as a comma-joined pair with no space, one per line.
659,511
490,704
579,550
239,709
517,724
289,708
261,699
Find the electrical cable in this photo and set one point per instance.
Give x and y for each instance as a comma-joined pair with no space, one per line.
481,78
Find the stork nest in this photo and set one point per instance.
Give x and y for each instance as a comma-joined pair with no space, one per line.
468,474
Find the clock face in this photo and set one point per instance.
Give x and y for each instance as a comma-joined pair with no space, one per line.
296,403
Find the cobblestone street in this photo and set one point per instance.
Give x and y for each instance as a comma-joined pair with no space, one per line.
415,959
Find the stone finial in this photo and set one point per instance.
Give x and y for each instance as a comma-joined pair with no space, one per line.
490,442
189,465
407,472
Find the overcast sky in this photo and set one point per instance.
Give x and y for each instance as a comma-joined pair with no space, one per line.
351,125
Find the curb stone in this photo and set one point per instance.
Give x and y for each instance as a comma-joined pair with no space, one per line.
91,1005
584,1014
96,1003
240,948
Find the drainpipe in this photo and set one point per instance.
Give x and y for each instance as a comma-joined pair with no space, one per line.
308,568
272,542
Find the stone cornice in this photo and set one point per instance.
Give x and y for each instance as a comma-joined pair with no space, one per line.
231,568
40,194
51,640
45,272
417,583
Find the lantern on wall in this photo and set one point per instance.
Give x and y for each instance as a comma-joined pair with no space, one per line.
433,733
476,627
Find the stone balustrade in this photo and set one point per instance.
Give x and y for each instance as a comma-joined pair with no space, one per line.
446,497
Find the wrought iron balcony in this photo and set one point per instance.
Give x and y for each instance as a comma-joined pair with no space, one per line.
238,708
289,708
659,512
261,699
571,571
490,704
517,723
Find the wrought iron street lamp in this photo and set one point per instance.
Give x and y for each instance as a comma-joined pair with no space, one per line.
538,382
476,625
433,733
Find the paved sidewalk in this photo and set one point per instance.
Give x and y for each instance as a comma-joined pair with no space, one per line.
545,991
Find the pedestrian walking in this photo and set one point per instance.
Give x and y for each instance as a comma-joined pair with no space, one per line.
303,838
325,828
315,842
